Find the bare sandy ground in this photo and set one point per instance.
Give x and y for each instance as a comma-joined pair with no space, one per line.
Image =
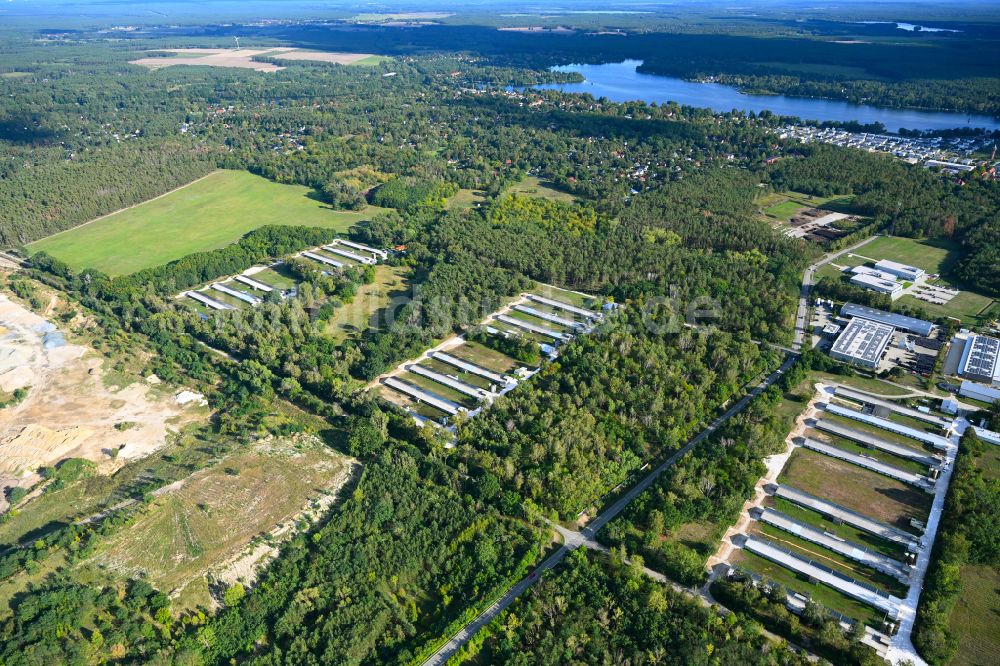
69,412
243,58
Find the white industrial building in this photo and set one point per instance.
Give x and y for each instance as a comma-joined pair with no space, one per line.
881,285
910,273
862,342
979,392
980,361
902,322
867,270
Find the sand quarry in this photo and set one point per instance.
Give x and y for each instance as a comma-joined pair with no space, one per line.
69,412
244,58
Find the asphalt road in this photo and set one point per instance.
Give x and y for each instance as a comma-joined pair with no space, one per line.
468,631
808,277
609,514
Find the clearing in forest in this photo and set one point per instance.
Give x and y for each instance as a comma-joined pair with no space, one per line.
244,58
936,257
223,522
205,215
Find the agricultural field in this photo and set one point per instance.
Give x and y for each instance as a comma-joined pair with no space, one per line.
244,58
207,214
221,522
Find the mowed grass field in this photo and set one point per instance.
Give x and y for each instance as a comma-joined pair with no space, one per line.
934,257
207,214
975,617
858,489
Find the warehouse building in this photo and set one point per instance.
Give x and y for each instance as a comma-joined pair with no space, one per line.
979,392
898,321
910,273
862,343
881,285
980,359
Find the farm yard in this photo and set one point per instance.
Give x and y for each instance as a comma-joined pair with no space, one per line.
276,281
846,516
204,215
464,374
222,522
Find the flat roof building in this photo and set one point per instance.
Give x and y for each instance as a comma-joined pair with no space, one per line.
862,343
902,322
865,270
980,359
878,284
979,392
910,273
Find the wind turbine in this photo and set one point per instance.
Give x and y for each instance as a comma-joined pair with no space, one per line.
237,42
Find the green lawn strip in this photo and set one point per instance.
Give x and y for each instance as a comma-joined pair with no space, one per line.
974,618
915,423
484,357
902,440
863,383
518,332
855,488
277,277
207,214
197,306
826,596
437,389
809,517
563,314
538,321
405,401
833,560
348,262
225,298
566,296
903,464
446,369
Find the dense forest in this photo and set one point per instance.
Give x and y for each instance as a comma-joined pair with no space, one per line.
593,611
650,207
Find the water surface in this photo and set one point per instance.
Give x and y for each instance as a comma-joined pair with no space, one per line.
620,82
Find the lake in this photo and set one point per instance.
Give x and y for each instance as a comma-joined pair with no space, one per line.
620,82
